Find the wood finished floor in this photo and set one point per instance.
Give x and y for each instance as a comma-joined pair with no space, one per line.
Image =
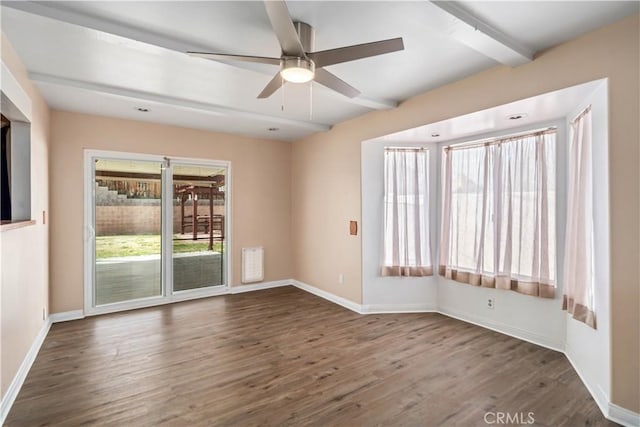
286,357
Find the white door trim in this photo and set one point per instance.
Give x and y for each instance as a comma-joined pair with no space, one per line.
167,296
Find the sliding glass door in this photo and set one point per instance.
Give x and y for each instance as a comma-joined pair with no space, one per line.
128,230
198,226
156,230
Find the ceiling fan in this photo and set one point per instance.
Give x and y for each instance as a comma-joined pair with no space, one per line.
298,64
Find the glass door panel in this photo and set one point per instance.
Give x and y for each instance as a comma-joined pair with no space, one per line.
128,230
198,226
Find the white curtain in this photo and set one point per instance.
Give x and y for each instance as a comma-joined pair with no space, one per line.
407,250
578,298
498,214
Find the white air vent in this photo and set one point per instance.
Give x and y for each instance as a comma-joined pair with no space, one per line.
252,265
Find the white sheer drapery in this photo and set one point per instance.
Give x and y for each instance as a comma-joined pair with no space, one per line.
407,250
578,298
498,214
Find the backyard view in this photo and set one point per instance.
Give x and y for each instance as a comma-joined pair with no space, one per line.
128,224
132,245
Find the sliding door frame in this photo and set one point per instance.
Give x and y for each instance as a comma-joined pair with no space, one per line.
167,295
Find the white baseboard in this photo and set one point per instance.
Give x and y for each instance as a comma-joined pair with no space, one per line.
599,395
623,416
398,308
66,316
79,314
329,296
504,328
364,309
21,375
258,286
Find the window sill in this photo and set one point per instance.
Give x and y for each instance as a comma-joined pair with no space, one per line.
12,225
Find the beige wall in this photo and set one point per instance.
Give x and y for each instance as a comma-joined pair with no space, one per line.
319,178
326,174
24,251
260,198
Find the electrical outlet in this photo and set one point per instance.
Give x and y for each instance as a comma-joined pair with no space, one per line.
340,278
491,303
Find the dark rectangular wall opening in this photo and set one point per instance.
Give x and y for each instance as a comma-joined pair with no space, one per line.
5,201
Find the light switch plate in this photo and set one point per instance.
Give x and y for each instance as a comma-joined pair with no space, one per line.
353,228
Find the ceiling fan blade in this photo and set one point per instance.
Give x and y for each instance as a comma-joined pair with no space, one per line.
358,51
283,26
243,58
276,82
329,80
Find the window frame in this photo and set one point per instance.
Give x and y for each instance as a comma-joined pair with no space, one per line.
17,108
408,270
561,145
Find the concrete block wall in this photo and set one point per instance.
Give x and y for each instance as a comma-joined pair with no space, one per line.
115,214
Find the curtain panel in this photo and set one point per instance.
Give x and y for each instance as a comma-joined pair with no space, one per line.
407,247
578,298
498,214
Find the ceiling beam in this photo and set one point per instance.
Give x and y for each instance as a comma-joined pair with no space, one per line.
53,10
451,19
216,109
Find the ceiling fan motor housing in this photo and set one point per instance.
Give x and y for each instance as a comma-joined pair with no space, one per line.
297,70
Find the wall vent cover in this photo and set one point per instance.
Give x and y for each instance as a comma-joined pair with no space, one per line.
252,265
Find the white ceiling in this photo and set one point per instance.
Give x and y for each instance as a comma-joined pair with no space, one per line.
543,108
110,57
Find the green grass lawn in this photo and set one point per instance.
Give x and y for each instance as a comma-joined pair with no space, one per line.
123,246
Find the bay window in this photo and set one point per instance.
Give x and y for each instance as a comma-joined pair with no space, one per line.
498,213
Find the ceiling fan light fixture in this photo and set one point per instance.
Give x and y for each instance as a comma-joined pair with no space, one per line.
297,70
